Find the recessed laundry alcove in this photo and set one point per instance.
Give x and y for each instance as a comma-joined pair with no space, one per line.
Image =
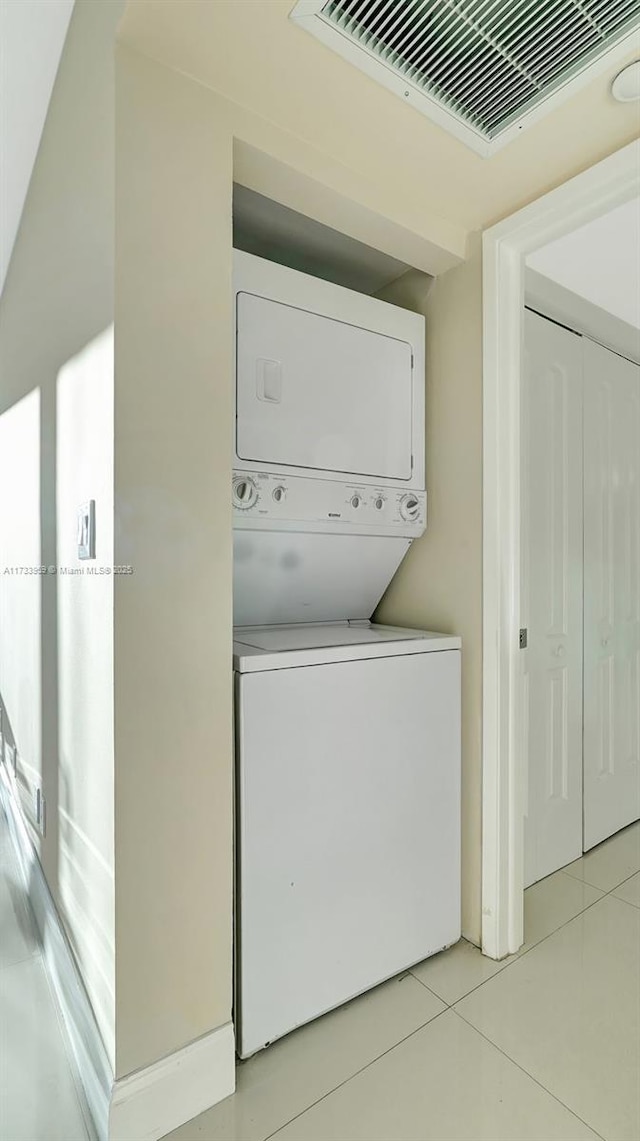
270,230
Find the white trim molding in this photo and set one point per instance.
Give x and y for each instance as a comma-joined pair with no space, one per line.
152,1102
504,766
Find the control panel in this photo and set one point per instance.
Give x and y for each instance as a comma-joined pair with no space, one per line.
272,499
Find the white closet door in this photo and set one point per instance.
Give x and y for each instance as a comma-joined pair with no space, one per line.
552,595
612,593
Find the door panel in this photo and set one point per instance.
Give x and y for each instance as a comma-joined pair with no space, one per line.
551,691
612,593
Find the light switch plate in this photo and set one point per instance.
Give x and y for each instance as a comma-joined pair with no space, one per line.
87,530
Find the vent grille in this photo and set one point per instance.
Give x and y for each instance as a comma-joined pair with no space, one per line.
487,62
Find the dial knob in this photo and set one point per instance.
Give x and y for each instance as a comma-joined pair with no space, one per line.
355,501
379,503
279,494
245,492
410,507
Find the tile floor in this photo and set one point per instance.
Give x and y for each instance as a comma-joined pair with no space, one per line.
543,1046
38,1096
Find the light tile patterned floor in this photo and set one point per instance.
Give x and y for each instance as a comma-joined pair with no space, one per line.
543,1046
540,1047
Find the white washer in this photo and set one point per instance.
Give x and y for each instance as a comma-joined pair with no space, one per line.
348,815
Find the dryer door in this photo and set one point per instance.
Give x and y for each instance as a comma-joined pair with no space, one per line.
316,393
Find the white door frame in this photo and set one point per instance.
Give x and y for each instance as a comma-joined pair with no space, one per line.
504,769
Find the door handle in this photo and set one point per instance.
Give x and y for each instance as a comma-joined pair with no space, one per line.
559,651
269,380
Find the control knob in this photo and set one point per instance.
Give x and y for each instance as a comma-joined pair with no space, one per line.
245,492
410,507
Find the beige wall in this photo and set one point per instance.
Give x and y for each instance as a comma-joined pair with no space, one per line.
173,524
439,584
56,443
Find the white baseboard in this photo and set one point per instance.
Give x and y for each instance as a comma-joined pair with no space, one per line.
150,1103
92,1066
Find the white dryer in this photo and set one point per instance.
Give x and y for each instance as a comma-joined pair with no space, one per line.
348,815
328,482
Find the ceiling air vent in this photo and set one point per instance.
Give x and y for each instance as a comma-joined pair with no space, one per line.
482,69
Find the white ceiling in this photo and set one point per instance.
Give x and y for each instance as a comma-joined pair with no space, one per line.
599,261
32,35
278,81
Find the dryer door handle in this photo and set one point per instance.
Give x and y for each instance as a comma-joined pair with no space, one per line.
269,380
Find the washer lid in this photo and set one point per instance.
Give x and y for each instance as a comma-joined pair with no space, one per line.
284,647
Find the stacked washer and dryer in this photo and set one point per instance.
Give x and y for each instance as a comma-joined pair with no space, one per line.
347,733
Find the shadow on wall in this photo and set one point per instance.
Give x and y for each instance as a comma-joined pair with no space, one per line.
56,647
85,711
